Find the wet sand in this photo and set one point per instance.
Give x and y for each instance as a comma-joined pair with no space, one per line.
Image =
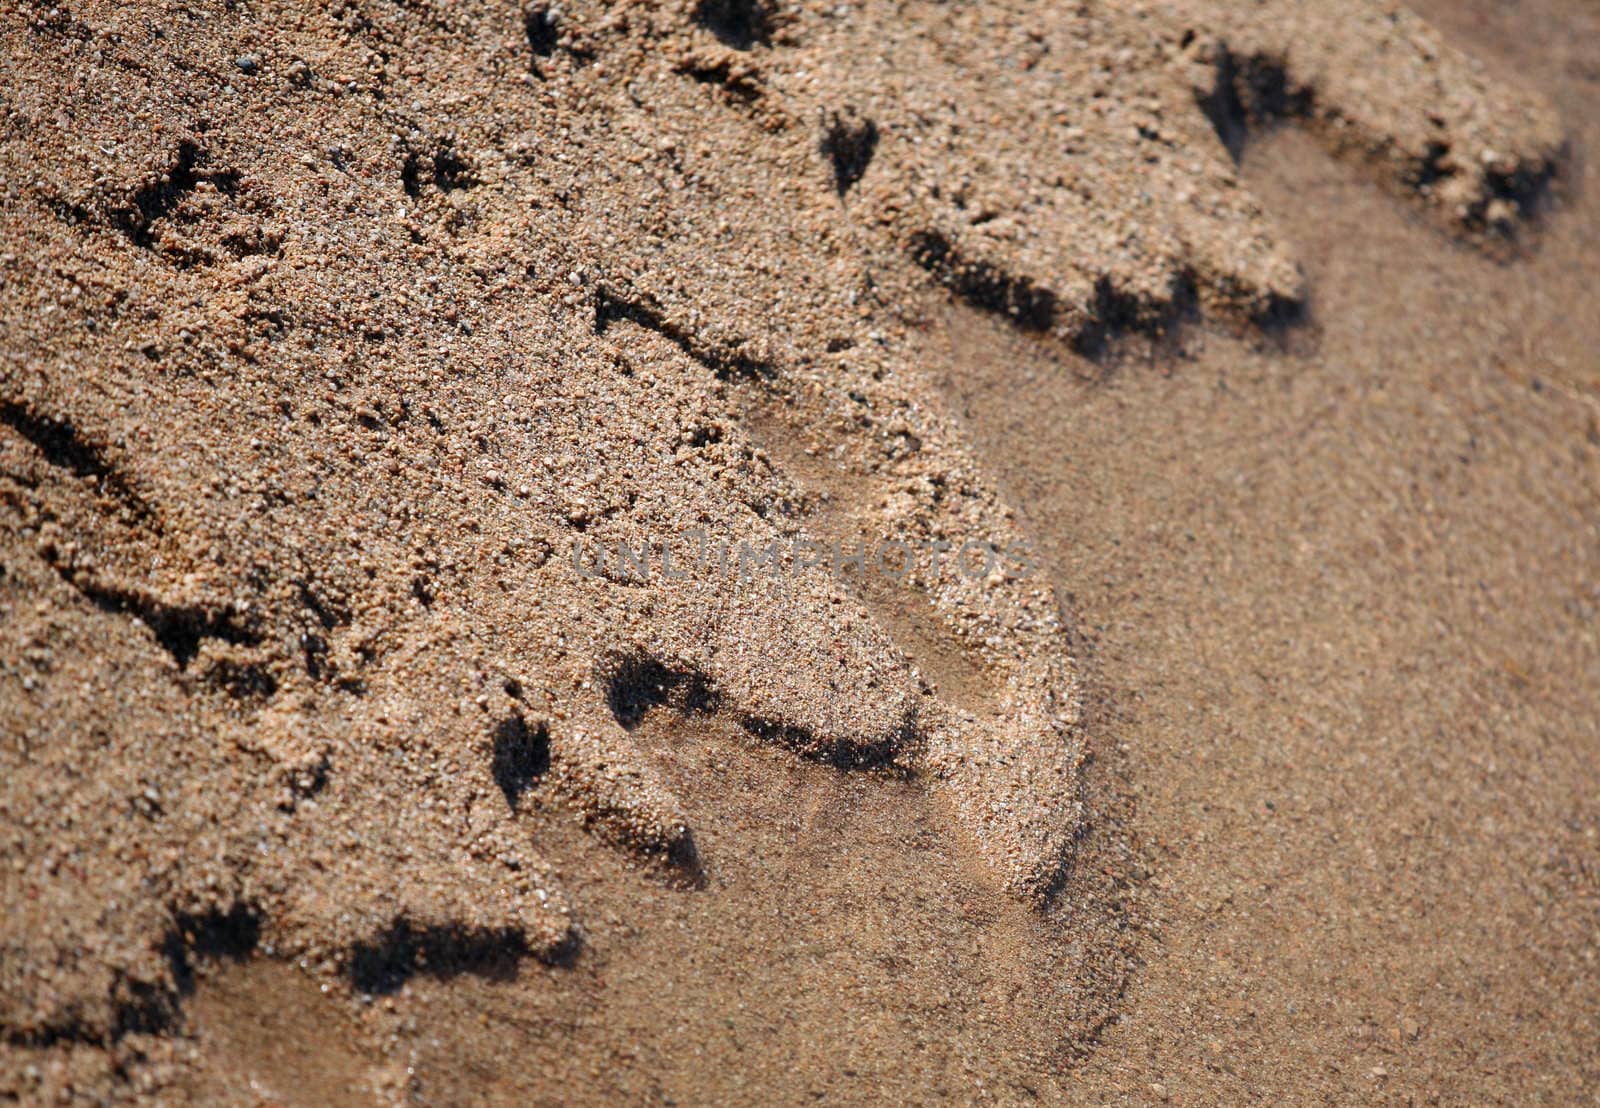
1329,593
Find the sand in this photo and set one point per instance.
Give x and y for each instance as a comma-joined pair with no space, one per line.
1256,339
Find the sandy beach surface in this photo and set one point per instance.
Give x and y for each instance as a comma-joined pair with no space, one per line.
437,440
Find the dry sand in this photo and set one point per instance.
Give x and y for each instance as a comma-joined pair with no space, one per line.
1266,330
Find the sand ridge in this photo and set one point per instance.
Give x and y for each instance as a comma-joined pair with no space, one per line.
329,332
